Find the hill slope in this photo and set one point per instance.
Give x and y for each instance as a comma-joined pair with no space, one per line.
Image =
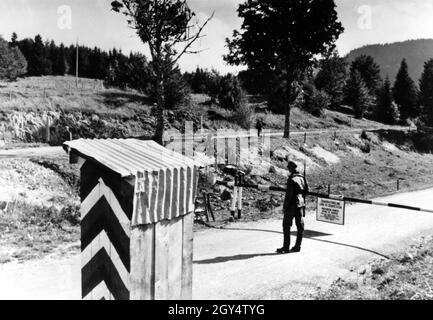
389,56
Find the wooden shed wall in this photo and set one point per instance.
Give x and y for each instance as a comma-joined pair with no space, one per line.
161,260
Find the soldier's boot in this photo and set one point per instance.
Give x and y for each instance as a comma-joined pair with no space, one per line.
286,244
297,247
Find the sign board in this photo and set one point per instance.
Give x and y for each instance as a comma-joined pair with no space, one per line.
331,211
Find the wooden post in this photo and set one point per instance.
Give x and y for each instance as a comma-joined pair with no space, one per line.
329,189
48,129
189,140
240,191
398,184
76,67
234,201
231,151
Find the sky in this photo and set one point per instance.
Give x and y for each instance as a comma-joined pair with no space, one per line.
92,22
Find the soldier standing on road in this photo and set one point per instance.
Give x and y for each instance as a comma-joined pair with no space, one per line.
294,208
259,127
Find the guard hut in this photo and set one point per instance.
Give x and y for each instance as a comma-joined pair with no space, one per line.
136,219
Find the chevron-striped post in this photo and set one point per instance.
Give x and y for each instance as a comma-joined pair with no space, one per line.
136,219
106,213
121,261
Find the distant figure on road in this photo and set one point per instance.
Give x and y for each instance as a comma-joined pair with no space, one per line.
294,208
259,127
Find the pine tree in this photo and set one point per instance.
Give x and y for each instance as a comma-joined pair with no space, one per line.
12,62
39,64
332,78
14,40
426,92
386,110
369,71
405,93
60,66
357,95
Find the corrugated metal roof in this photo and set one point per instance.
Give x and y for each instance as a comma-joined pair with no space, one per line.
130,156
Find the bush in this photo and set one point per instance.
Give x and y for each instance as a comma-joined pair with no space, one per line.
423,142
315,101
231,95
386,111
243,116
279,97
357,95
177,92
276,99
12,62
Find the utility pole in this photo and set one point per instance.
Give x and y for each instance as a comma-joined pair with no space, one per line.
76,67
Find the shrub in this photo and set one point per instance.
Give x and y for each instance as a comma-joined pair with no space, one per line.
279,98
423,141
231,95
12,62
315,101
386,110
177,92
243,116
357,95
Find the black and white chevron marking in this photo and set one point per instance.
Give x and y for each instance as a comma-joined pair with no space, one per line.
105,242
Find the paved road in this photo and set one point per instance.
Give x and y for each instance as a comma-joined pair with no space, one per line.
239,263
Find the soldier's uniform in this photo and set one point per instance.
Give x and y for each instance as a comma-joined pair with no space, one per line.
294,209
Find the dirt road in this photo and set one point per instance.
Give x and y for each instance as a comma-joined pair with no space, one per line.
54,152
239,263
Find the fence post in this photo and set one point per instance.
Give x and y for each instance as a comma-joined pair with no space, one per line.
48,130
329,189
398,184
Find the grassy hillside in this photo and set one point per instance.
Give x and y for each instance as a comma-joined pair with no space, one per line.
389,56
29,105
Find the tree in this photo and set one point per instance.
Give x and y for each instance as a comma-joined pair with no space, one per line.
405,93
314,100
386,110
39,64
357,95
60,65
369,71
163,25
176,91
231,95
332,78
426,92
12,62
14,40
284,37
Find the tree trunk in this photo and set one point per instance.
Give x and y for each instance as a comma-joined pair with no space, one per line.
160,95
290,99
287,122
